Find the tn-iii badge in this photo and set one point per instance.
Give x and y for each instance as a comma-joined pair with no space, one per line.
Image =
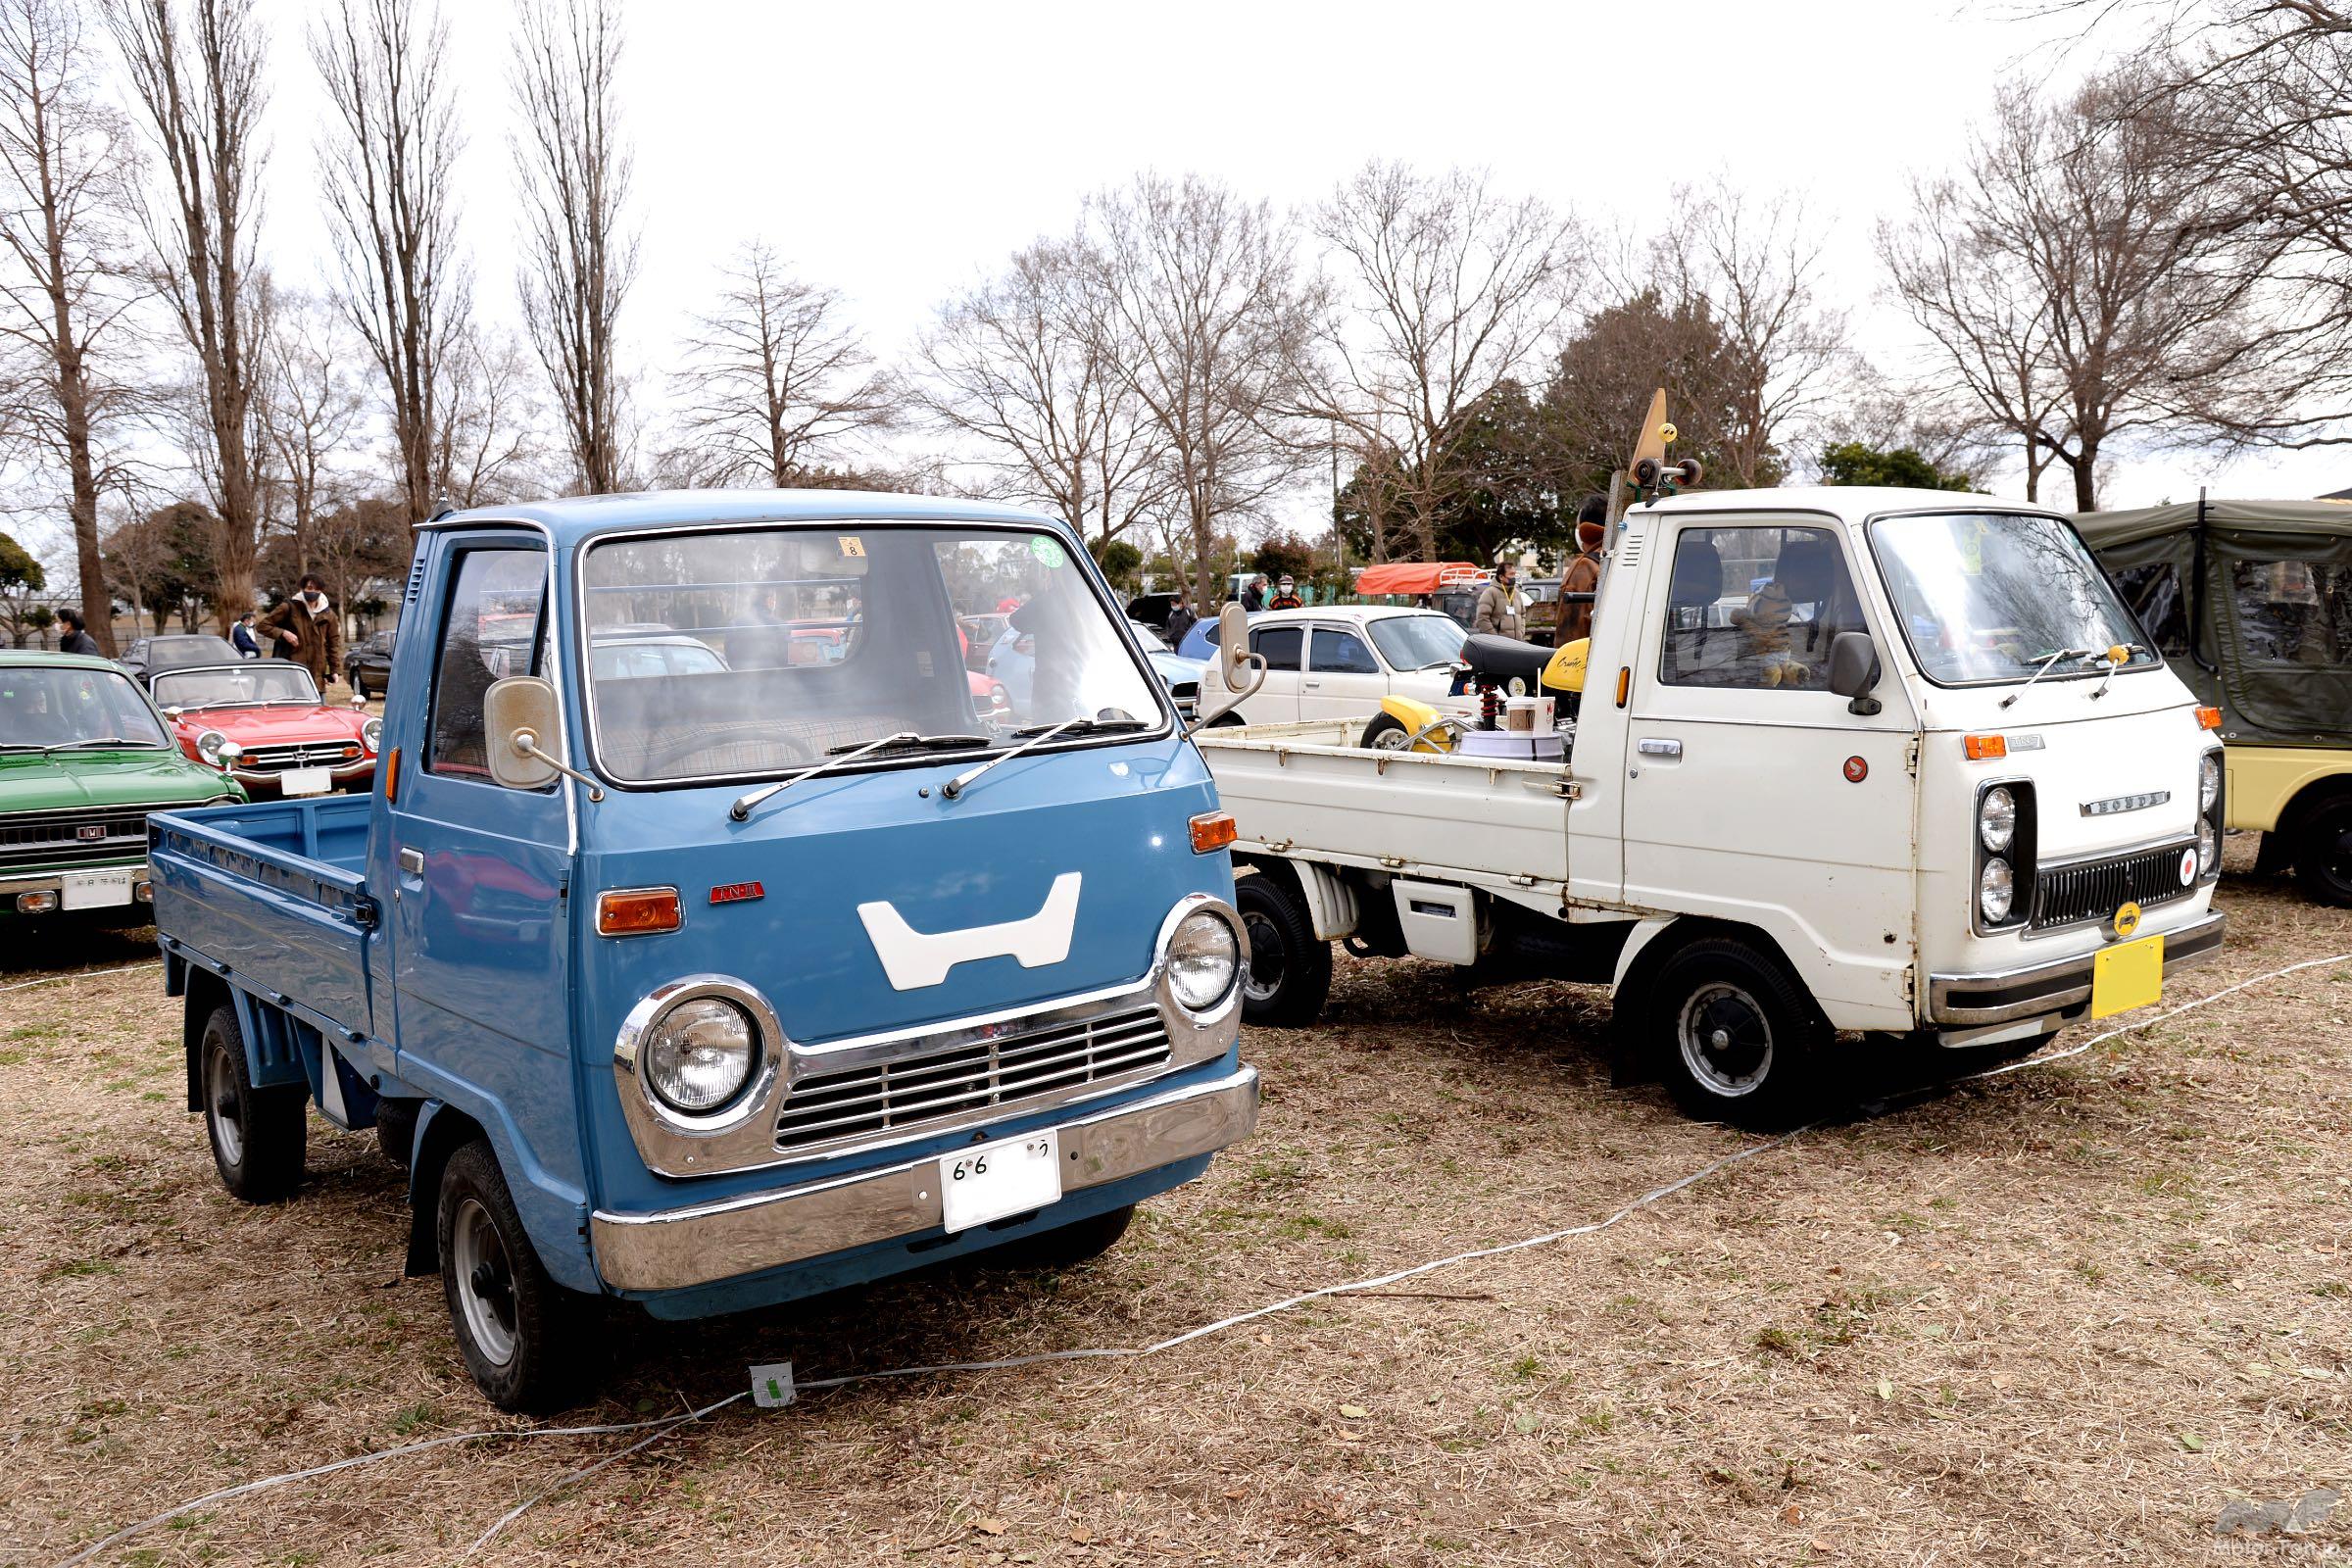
2126,802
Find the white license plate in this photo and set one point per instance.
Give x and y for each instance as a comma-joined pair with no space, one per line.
988,1181
95,890
306,781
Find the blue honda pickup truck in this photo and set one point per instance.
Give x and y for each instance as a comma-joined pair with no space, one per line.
707,941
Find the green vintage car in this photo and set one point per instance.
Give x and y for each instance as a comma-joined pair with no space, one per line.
84,758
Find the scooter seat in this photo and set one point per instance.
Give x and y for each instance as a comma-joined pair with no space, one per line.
1501,660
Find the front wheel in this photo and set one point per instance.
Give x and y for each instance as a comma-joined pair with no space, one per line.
513,1324
1289,975
1387,733
2324,852
1738,1040
257,1134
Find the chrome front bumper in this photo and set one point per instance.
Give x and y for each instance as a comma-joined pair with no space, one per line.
14,882
2004,996
686,1247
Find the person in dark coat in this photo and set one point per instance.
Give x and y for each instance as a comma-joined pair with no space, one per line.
1181,620
241,634
77,639
307,629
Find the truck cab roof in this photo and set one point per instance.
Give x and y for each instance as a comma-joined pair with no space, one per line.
574,519
1850,503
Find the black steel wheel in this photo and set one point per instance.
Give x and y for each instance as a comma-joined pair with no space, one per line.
513,1324
1289,973
257,1134
1737,1038
2324,852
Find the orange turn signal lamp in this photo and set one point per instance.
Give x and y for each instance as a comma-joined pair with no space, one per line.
1985,747
1213,831
636,911
2208,718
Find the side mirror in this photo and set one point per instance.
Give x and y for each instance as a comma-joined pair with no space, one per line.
1854,670
1243,671
517,711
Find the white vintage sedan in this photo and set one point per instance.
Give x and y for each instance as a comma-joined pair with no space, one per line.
1338,661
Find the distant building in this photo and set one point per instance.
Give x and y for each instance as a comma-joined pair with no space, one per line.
2337,494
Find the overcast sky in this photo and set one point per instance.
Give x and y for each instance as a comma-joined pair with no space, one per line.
900,151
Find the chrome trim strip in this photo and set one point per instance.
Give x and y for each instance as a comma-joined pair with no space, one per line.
2061,985
677,1249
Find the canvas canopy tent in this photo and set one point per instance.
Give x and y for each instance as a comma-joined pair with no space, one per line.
2250,601
1417,576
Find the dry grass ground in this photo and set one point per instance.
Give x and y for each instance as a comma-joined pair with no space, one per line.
2064,1317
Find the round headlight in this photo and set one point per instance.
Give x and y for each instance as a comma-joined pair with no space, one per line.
209,743
1997,889
372,734
1996,818
700,1053
1203,957
2209,848
2209,780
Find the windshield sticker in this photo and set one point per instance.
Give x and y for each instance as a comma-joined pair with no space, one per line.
1972,549
1048,551
852,547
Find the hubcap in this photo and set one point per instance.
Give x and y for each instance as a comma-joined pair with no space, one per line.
1726,1041
1264,978
485,1280
221,1100
1391,740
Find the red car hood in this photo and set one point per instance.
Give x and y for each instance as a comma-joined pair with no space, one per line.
272,726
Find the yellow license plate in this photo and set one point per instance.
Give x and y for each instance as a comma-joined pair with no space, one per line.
2128,975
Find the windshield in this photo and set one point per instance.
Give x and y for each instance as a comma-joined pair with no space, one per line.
1412,642
1989,597
68,706
249,685
816,640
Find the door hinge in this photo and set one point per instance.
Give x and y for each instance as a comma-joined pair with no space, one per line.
1568,789
1911,757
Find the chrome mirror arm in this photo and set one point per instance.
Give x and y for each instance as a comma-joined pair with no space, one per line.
525,743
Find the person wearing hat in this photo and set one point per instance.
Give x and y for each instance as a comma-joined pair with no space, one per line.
1286,595
1583,576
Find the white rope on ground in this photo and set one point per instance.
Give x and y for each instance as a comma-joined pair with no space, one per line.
81,974
664,1425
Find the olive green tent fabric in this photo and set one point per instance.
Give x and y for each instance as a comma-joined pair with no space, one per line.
2250,601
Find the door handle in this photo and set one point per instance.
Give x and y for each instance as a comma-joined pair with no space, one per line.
412,861
1659,747
1314,684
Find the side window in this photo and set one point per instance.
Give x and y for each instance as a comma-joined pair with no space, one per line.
1277,646
2295,612
2153,592
492,631
1340,653
1756,609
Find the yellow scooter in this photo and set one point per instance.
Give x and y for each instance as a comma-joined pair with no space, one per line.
1499,666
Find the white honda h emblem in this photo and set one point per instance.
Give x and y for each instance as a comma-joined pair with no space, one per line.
913,960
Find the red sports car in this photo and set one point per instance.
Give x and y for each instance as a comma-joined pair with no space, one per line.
264,723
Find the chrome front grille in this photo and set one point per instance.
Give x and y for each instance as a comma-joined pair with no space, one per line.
971,1079
95,835
314,753
2092,890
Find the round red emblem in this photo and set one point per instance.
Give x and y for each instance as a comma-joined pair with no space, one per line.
1857,770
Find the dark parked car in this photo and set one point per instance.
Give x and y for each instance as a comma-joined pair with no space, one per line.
152,656
367,664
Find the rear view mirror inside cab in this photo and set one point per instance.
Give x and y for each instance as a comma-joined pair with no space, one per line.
1854,670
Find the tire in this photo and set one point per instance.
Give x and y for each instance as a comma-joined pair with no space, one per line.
1386,733
1289,976
1737,1039
1067,1245
2324,852
396,1130
513,1323
358,686
257,1134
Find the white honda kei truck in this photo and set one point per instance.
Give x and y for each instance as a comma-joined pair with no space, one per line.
1887,762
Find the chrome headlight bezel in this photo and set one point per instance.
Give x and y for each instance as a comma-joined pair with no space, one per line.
1227,1008
372,736
684,1139
2209,781
208,745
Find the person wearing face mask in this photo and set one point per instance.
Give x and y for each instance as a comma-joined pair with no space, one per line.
307,629
1286,596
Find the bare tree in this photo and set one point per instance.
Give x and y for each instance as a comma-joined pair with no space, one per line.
1756,264
487,444
196,69
1201,308
1455,289
66,159
579,257
390,158
311,408
776,379
1018,365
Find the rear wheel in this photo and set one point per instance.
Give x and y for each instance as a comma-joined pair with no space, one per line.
257,1134
1387,733
1738,1039
2324,852
513,1324
1289,975
396,1130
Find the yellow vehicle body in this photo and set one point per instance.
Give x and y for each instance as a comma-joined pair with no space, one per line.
2263,779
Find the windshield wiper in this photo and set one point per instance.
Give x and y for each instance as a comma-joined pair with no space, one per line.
1037,735
744,803
2130,651
2047,664
102,739
923,743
